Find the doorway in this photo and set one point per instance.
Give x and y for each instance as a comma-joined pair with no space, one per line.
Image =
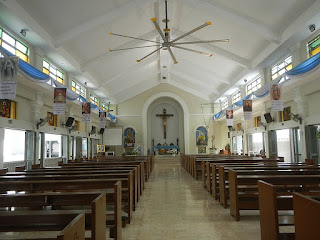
283,144
237,144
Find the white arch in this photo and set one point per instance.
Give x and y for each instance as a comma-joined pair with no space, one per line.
145,121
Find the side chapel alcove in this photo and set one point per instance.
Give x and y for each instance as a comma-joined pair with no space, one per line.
177,124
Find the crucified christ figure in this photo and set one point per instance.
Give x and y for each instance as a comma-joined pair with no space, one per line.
164,117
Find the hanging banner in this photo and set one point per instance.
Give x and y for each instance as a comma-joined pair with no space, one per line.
86,112
59,101
276,97
247,109
8,77
229,117
102,118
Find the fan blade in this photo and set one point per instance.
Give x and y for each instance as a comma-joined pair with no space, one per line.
191,50
121,49
149,54
141,39
209,41
154,20
192,31
172,56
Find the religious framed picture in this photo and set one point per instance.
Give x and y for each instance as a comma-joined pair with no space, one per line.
100,148
201,136
238,127
285,115
129,137
257,121
50,121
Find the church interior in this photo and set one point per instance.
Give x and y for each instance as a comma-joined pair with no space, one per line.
160,119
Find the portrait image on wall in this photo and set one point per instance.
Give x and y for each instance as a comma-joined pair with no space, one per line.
285,115
201,136
100,148
50,121
102,118
247,109
129,137
229,114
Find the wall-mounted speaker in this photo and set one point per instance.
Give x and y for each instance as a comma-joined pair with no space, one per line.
268,118
69,121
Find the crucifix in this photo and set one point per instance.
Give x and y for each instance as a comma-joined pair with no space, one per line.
164,117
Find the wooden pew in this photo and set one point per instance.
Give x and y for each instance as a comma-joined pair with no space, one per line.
207,165
72,225
279,169
58,200
92,170
71,185
273,198
243,189
306,217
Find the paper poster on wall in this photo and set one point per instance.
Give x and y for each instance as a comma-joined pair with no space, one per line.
102,118
247,109
59,101
86,112
100,148
229,117
276,97
8,77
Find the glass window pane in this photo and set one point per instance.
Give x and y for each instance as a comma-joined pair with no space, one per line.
8,39
59,74
315,51
46,71
21,47
53,70
73,84
9,48
22,56
46,64
73,89
53,76
14,145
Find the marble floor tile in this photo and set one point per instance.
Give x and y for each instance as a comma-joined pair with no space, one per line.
175,206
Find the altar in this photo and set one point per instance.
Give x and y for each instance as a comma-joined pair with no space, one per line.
165,149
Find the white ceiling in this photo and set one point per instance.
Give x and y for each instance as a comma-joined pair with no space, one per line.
75,35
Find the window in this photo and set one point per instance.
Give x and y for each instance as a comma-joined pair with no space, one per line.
255,143
254,85
104,107
314,46
76,87
225,103
94,100
14,145
281,68
7,108
53,145
236,97
53,72
14,46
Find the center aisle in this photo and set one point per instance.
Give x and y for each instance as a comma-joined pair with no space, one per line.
175,206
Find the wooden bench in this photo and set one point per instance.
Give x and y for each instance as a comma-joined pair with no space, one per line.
206,166
76,200
280,169
92,170
273,198
243,189
72,224
71,185
306,208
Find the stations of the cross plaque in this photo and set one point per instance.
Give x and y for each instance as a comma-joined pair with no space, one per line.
164,117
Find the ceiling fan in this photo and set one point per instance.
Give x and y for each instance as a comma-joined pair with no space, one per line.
167,44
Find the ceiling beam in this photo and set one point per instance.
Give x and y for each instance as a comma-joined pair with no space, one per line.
184,87
239,19
110,55
202,70
134,68
219,51
194,81
95,22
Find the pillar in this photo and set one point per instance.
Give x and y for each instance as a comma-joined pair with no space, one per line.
296,54
36,113
302,108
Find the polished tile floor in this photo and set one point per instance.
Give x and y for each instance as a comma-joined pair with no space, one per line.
175,206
